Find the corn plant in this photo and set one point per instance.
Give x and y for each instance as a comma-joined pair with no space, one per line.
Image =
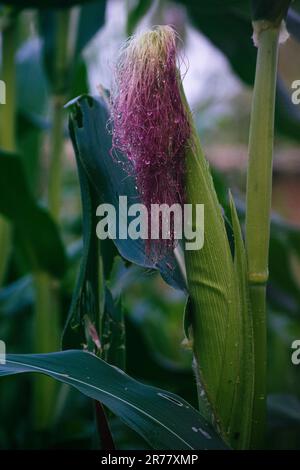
139,141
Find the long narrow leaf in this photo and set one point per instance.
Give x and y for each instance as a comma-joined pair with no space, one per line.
162,418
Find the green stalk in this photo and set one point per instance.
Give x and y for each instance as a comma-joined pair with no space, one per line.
7,124
259,193
55,170
47,306
47,339
61,70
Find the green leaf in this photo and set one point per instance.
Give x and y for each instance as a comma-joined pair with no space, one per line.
242,407
228,26
92,144
86,291
213,306
152,368
32,97
165,420
270,10
113,332
231,32
17,296
100,178
35,230
91,19
136,14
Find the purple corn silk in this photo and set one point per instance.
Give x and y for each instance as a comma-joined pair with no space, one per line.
150,124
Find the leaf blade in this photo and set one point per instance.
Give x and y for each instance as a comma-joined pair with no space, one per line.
92,145
148,410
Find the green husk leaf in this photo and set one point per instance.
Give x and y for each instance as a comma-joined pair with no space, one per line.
213,304
240,430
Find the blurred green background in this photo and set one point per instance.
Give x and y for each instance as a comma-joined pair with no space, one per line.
49,56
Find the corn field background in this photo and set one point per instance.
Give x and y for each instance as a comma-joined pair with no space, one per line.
61,291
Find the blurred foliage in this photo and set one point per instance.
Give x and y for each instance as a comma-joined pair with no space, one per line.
136,14
223,24
45,3
152,310
36,233
269,10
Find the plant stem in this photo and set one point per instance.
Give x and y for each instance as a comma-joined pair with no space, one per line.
259,193
61,71
55,173
47,301
47,339
7,124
